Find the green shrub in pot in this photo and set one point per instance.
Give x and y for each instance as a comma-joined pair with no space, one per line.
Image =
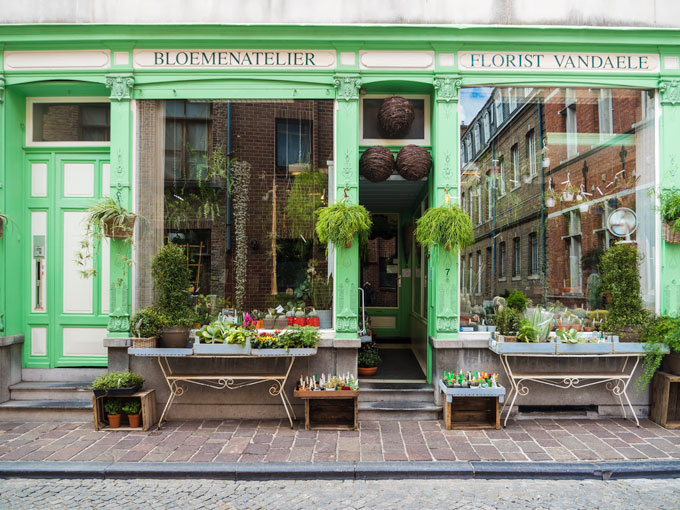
508,321
146,323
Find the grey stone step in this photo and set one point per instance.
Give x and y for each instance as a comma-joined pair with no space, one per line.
51,390
399,410
396,395
86,375
46,410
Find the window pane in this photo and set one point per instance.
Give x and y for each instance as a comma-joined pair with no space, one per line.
557,167
71,122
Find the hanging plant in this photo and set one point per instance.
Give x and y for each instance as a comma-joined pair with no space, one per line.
307,194
111,219
448,226
239,192
339,222
670,213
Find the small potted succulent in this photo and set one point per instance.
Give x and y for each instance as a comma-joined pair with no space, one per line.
132,408
313,319
300,319
112,408
269,321
117,383
290,314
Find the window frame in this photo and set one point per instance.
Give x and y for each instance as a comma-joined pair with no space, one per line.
426,140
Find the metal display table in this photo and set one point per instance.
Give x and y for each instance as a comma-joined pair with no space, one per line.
616,381
219,381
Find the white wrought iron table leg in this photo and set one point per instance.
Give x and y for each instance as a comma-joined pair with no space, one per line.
172,385
625,388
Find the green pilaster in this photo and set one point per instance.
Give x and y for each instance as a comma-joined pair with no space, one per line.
3,209
121,178
443,272
670,178
347,180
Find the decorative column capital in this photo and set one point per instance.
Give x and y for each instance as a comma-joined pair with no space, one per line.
347,86
670,92
446,88
2,90
121,86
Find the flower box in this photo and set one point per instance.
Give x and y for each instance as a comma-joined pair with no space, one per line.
231,349
522,347
116,392
269,352
302,351
591,348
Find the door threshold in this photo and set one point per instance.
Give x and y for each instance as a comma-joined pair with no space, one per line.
368,380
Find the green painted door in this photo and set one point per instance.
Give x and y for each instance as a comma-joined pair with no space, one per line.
67,313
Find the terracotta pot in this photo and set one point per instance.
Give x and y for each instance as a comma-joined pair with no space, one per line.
114,420
135,420
588,329
175,338
300,321
367,371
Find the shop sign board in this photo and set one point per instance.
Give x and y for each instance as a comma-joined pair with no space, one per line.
234,59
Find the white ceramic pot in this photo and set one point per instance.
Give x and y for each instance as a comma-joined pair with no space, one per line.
550,202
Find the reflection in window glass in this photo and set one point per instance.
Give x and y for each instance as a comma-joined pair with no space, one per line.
190,150
71,122
575,155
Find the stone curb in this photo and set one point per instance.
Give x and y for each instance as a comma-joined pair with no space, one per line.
342,470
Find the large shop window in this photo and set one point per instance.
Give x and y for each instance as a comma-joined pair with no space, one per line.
236,184
557,164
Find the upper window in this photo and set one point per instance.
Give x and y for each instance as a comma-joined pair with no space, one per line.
370,132
605,113
188,128
293,144
53,121
515,166
531,152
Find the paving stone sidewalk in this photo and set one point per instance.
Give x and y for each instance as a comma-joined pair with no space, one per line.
274,441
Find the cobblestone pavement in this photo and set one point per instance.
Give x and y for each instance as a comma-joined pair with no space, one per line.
273,441
348,495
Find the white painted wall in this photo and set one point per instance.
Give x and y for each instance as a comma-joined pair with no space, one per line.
633,13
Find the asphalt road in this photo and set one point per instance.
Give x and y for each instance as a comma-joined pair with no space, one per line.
33,494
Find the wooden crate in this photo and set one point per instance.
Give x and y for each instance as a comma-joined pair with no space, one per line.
665,409
148,412
472,413
330,410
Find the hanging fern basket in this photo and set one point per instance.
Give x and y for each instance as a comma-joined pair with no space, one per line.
395,116
447,226
414,162
116,229
670,235
376,163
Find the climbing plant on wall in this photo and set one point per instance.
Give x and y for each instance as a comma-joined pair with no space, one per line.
240,179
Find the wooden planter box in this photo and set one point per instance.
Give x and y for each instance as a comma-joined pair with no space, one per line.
472,408
665,409
148,412
330,410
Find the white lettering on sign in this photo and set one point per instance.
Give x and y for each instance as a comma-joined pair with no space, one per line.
219,59
547,61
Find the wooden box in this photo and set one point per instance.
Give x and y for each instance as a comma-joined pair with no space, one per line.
330,410
148,412
665,409
472,413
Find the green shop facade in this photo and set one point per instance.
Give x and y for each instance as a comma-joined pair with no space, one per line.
120,80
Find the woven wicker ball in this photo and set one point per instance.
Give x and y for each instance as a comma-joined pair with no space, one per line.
395,116
413,162
376,163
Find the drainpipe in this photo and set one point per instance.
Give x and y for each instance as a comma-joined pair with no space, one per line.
544,226
493,231
228,225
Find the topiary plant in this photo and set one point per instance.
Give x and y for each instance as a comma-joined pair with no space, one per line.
517,300
146,323
338,223
171,281
448,226
508,321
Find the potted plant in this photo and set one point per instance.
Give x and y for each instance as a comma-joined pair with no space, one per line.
313,318
507,323
145,327
221,337
338,223
527,332
322,299
517,300
117,383
368,359
300,341
112,408
620,274
447,226
269,321
670,212
300,319
171,281
132,408
550,198
111,219
569,192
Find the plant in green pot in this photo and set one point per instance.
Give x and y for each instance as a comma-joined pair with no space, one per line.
132,408
670,213
171,285
112,408
447,226
338,223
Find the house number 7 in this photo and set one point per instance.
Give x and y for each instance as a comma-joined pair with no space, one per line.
447,271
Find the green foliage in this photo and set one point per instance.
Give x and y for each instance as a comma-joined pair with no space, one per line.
517,300
528,332
659,331
448,226
322,293
507,321
620,273
105,211
132,406
670,207
146,323
541,320
222,332
240,182
570,336
339,222
368,358
171,281
113,406
300,337
117,380
306,196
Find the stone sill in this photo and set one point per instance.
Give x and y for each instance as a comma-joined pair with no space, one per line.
468,340
6,341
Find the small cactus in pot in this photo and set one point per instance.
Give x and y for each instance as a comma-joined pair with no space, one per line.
269,321
300,319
